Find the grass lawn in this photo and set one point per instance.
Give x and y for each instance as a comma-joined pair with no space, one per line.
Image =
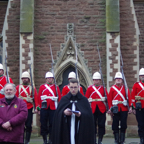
36,140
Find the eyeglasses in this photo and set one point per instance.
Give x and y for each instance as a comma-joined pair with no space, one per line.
73,87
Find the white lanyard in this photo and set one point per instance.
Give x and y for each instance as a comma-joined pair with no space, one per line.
118,93
141,87
51,91
1,80
24,90
97,91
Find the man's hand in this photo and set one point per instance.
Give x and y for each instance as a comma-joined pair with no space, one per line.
134,111
6,125
67,112
109,111
77,114
36,111
9,129
130,110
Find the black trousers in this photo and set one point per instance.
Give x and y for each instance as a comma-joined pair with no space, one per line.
122,118
46,119
140,120
28,123
99,120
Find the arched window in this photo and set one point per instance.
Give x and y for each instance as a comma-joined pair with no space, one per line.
65,78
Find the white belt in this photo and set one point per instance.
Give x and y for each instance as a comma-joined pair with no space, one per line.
116,102
92,100
44,97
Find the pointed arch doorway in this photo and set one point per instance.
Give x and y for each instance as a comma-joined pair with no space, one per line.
65,78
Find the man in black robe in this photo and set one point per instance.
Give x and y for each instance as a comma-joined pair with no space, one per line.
73,121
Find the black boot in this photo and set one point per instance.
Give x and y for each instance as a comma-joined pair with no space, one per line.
27,139
45,139
116,135
49,141
141,140
100,139
122,138
95,140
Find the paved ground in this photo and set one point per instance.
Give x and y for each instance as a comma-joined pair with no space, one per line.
38,140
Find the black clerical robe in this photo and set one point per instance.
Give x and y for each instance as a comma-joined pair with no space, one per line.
84,125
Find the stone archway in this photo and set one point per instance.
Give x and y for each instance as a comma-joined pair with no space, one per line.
66,58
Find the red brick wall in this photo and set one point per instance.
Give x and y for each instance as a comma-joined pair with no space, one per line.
51,18
3,7
127,32
139,8
88,17
13,40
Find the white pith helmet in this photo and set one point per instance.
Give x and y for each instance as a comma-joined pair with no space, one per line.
118,75
96,75
1,66
72,75
25,75
49,75
141,72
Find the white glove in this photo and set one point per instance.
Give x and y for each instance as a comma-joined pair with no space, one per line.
43,97
29,99
125,103
90,99
103,99
54,98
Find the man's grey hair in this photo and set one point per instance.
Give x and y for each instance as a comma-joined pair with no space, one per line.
13,85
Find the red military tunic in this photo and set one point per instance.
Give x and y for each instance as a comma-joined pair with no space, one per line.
137,91
66,89
20,92
113,95
3,81
91,93
44,91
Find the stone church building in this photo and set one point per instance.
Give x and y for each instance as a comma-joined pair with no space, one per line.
74,29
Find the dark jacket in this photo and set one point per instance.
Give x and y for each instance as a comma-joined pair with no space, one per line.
16,114
61,127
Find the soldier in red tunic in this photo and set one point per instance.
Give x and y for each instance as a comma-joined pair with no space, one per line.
48,100
66,88
3,81
138,104
24,91
118,107
96,96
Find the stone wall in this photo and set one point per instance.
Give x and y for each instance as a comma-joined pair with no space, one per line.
13,41
51,18
139,8
3,7
88,16
127,33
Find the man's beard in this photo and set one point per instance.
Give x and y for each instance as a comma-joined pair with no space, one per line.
25,82
9,96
